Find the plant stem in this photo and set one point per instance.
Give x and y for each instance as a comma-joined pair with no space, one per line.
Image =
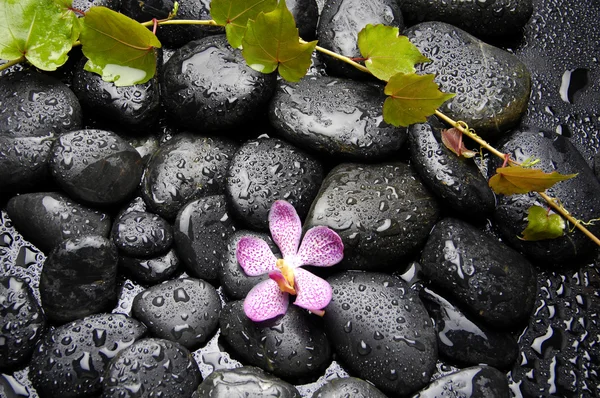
11,63
340,57
209,22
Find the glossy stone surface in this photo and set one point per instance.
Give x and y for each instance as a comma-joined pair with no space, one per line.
475,382
142,234
24,162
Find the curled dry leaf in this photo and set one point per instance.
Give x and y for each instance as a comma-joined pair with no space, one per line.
453,140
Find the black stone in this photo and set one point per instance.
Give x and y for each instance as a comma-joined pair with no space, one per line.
201,230
381,331
150,270
34,104
207,85
492,86
342,20
247,381
236,284
185,168
22,322
185,311
463,341
70,360
383,213
48,218
79,278
347,387
24,162
269,169
475,382
306,15
455,180
335,116
96,166
154,367
484,277
293,346
142,234
579,195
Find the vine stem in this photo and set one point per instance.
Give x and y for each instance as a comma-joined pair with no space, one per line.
340,57
11,63
209,22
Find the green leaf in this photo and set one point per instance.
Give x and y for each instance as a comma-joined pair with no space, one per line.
411,99
272,41
542,225
234,15
40,30
387,53
518,180
118,48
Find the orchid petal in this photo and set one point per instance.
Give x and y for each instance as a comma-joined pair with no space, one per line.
255,256
314,293
265,301
286,227
321,246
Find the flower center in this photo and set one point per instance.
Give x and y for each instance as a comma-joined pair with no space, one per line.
286,283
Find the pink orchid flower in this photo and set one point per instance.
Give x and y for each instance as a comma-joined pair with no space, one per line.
321,247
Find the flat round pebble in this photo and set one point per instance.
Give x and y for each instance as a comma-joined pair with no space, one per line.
70,360
152,368
380,329
79,278
48,218
201,230
185,168
269,169
346,387
151,270
475,382
247,381
22,322
182,310
142,234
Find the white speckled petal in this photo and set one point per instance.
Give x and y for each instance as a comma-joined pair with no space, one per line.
321,246
254,256
286,227
265,301
314,293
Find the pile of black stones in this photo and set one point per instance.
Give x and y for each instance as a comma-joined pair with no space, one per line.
121,208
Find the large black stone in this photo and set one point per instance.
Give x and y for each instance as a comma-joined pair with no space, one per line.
475,382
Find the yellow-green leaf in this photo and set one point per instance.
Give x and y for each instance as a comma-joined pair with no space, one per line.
411,99
234,15
118,48
542,225
272,41
386,52
518,180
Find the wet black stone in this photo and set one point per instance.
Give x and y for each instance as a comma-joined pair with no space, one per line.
150,270
347,387
487,19
22,322
579,195
206,85
560,50
48,218
306,15
24,162
492,86
335,116
559,347
96,166
381,331
463,341
182,310
152,367
474,382
269,169
70,360
455,180
185,168
247,381
79,278
342,20
201,230
142,234
236,284
293,346
34,104
484,277
383,213
128,107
